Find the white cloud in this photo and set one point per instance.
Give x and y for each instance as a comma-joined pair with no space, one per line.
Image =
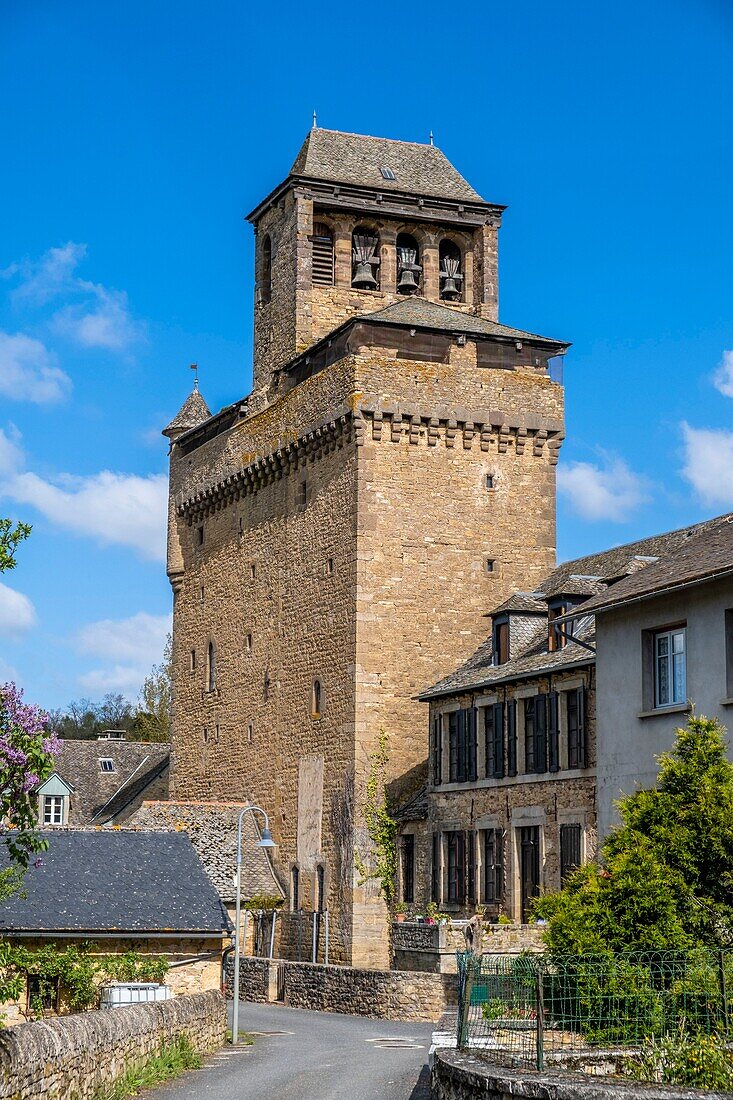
723,377
28,371
113,508
132,646
17,613
8,674
708,464
609,492
94,316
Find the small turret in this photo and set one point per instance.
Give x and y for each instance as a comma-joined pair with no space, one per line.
193,411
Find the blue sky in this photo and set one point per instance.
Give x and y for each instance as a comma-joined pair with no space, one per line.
136,136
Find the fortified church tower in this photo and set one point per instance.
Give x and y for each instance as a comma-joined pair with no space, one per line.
337,537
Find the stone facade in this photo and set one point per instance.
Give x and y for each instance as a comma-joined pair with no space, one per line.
80,1057
432,947
333,547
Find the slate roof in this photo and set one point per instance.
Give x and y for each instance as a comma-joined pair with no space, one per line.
703,556
115,881
522,603
337,157
414,809
212,829
423,313
100,797
645,565
193,411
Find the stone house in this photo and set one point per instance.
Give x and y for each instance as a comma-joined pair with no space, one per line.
519,735
102,781
118,891
335,538
664,644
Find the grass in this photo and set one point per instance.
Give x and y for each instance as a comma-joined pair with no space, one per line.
171,1061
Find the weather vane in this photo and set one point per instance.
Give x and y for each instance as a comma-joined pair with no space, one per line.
195,369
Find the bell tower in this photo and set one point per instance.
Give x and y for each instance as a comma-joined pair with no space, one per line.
360,223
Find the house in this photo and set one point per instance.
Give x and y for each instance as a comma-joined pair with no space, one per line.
664,644
521,736
102,781
335,536
118,891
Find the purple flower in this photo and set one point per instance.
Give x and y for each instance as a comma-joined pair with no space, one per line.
38,863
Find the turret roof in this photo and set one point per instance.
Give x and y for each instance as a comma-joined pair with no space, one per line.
193,411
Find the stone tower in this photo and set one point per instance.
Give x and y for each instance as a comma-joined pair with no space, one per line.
337,537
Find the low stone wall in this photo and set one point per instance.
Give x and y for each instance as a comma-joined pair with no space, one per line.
458,1076
432,947
380,994
75,1057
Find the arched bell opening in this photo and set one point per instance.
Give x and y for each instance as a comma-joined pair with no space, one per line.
365,258
409,268
451,271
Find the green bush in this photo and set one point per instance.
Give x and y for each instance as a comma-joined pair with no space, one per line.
697,1061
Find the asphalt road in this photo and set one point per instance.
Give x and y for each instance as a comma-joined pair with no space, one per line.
302,1055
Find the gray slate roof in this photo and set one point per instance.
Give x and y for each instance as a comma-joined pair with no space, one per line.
421,312
193,411
356,159
704,555
522,603
115,881
212,829
99,796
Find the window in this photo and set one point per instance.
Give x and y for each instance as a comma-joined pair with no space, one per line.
205,735
320,888
192,660
316,699
302,494
250,733
248,643
211,668
490,481
106,764
492,866
252,571
295,888
387,173
435,892
408,868
570,836
490,565
201,594
501,642
199,536
670,674
408,264
511,737
494,740
455,868
329,567
322,240
728,654
53,809
42,994
471,868
451,276
437,749
462,746
557,631
575,704
535,734
553,733
266,271
365,259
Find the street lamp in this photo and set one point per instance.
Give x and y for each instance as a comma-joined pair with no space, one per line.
265,841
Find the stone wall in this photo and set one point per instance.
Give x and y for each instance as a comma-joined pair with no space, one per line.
458,1076
75,1057
432,947
380,994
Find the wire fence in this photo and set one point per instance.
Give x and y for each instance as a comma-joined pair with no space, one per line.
540,1009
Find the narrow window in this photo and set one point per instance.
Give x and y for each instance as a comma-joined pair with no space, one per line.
556,631
511,737
192,660
216,734
408,264
252,571
670,674
529,735
201,593
471,868
199,536
316,699
106,764
451,276
320,888
576,728
266,271
435,892
250,733
501,642
570,837
455,869
490,482
322,240
329,567
303,493
540,734
53,809
437,750
494,740
493,868
365,258
295,888
205,735
211,668
490,565
553,741
248,643
470,740
408,868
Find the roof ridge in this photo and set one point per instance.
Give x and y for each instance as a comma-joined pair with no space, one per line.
376,137
726,517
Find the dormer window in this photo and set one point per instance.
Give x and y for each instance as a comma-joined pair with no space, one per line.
501,641
557,632
387,173
365,258
106,764
451,276
322,241
408,264
53,809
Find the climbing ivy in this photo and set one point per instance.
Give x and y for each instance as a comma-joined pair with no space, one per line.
381,858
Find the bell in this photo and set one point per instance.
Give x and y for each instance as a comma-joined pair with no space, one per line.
408,283
364,276
450,288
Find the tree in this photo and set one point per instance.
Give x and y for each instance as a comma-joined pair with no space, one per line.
10,537
664,879
153,719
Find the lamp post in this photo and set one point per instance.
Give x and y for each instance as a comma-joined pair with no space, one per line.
265,841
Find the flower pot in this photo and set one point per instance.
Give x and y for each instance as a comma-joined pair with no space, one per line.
399,917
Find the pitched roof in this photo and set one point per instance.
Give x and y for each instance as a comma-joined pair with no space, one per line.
193,411
703,556
423,313
212,829
357,159
115,881
523,603
99,797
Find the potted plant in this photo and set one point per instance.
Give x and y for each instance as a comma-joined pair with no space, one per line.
431,910
400,911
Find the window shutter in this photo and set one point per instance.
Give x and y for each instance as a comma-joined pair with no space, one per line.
499,865
471,725
489,765
498,709
461,868
322,255
437,750
461,746
540,723
530,758
582,739
569,849
553,747
435,891
511,737
471,868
